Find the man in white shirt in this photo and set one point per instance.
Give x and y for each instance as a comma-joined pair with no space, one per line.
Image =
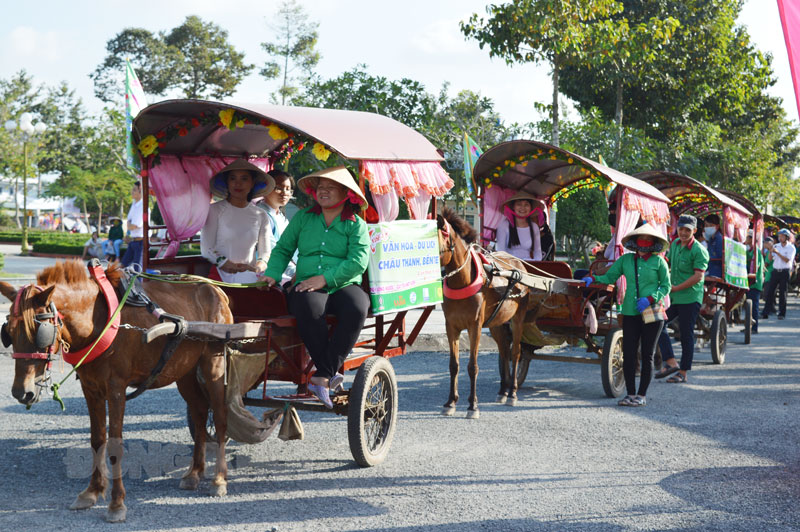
782,262
135,228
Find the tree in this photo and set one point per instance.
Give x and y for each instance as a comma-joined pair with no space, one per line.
206,63
294,49
555,31
194,57
582,220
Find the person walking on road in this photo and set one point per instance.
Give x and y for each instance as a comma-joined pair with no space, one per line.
135,228
688,262
647,277
782,261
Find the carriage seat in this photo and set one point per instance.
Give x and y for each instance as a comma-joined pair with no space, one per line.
555,268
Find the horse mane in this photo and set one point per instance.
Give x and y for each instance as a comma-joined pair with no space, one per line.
74,272
460,226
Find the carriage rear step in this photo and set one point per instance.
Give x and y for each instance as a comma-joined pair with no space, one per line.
301,402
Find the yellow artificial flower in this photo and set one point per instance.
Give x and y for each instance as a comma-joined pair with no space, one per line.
512,164
148,145
226,116
240,123
277,133
569,160
320,152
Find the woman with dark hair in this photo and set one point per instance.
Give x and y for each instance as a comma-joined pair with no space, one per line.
235,237
332,245
521,235
273,204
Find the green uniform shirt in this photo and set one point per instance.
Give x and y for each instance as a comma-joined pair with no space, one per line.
339,251
683,262
767,265
653,279
758,282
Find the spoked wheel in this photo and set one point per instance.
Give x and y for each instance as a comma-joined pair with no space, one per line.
372,412
522,367
611,364
719,337
748,321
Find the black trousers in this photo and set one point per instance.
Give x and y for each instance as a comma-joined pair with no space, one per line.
636,332
349,304
778,281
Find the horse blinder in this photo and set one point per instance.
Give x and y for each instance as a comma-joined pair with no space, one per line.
4,336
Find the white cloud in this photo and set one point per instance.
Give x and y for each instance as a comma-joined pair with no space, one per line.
442,37
26,42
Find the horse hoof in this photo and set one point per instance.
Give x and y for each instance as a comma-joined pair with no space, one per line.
512,401
448,410
473,414
84,500
190,483
117,515
501,398
219,490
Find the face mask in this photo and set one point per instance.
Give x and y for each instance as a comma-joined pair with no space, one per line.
709,232
748,247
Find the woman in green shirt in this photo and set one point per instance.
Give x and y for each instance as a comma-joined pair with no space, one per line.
647,282
332,247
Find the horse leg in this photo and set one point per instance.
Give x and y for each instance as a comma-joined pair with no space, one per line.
474,342
452,338
501,339
515,352
98,481
213,366
116,413
189,388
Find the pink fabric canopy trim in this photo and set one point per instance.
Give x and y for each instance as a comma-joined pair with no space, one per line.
406,178
653,211
181,188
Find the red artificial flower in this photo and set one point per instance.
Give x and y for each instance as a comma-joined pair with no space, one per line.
264,122
162,144
247,121
195,122
182,132
160,135
143,173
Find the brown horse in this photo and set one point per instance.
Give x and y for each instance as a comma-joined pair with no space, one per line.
471,312
84,310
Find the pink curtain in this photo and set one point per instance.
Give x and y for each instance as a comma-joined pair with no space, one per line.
387,205
626,222
493,215
181,188
736,224
413,181
418,205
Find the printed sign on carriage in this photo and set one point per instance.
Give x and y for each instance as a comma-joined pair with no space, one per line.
735,263
404,271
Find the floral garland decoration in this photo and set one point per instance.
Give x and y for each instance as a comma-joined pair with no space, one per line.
593,179
231,119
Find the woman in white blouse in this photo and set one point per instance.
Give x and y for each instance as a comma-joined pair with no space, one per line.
522,237
236,236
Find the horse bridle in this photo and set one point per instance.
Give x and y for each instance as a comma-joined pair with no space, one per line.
47,337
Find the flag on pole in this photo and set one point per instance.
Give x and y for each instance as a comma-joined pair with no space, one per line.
134,102
471,153
790,19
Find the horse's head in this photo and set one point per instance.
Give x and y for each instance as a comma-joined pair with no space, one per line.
446,240
33,328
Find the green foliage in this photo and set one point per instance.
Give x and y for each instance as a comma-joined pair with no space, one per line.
194,57
295,49
582,220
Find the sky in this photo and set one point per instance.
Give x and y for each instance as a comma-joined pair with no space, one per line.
56,41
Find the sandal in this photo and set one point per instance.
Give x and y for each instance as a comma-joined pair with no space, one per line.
639,400
666,371
626,401
677,378
321,392
336,383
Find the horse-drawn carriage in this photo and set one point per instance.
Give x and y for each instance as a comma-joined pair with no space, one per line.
723,296
187,330
570,312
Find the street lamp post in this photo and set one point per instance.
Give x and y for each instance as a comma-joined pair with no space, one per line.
28,130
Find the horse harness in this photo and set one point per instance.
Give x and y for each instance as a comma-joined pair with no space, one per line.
484,269
49,324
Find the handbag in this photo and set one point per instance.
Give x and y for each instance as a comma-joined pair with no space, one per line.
654,312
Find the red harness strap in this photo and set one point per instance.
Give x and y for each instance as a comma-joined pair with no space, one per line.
474,287
99,275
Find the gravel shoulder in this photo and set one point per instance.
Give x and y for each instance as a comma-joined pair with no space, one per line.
718,453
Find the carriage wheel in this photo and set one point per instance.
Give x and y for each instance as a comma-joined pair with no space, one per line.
748,321
719,337
611,364
522,367
372,412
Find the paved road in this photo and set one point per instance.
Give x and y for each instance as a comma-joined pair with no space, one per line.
24,265
719,453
